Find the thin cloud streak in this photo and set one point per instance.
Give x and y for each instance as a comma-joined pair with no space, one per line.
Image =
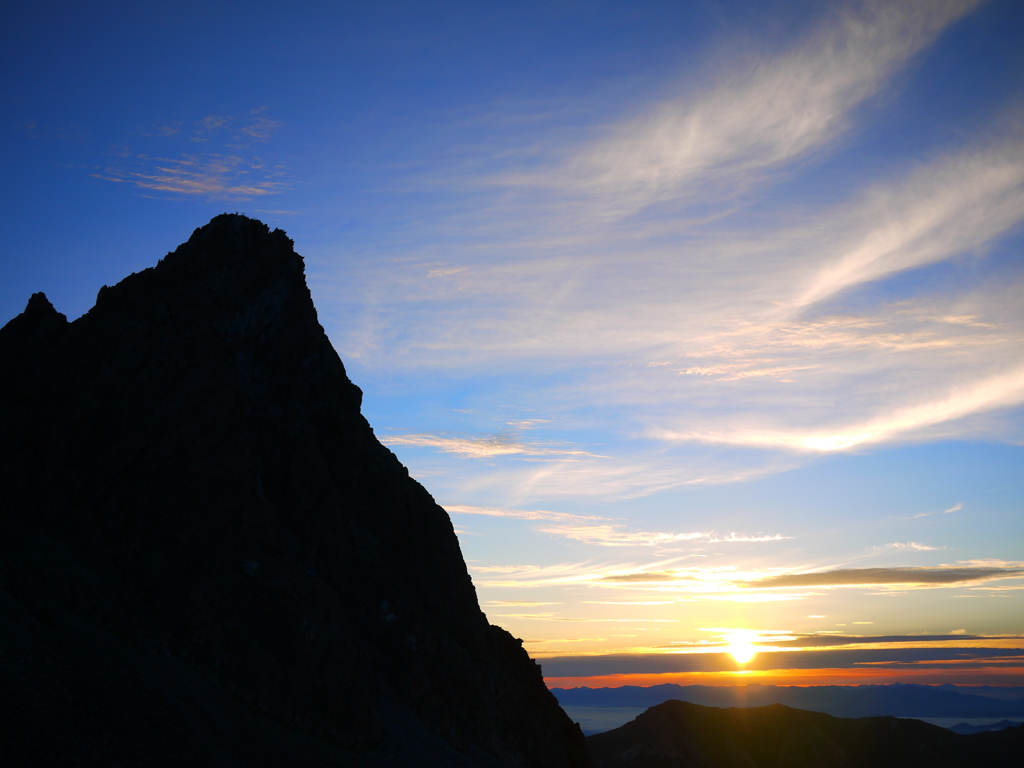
950,207
481,446
996,392
922,575
617,536
601,531
911,545
643,474
522,514
827,641
951,510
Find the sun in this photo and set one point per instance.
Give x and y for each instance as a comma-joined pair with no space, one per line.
742,651
740,648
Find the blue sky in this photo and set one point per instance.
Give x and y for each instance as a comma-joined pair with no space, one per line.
703,319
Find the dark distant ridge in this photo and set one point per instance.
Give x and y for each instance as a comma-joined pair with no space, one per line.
677,734
968,729
897,700
207,558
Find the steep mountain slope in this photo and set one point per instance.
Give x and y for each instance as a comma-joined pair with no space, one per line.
678,734
190,491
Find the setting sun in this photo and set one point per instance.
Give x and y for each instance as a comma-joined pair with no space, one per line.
740,648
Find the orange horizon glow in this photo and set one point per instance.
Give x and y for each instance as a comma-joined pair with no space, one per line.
995,676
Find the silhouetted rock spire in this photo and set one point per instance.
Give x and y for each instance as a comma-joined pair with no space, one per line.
186,469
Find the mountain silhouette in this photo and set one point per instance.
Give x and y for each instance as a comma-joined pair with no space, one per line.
896,699
968,729
678,734
206,556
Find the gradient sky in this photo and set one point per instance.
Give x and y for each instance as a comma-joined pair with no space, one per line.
702,319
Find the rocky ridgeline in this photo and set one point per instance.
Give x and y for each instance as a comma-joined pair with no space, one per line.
205,553
678,734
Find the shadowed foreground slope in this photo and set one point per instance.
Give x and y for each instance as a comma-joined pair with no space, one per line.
204,548
678,734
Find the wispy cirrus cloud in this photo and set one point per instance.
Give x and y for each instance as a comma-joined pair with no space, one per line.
471,446
905,545
758,597
601,572
764,114
952,206
213,176
259,129
760,334
643,577
601,531
550,477
742,537
745,301
253,128
482,446
955,508
445,271
224,171
1002,390
207,126
522,514
616,535
661,576
162,128
558,617
743,370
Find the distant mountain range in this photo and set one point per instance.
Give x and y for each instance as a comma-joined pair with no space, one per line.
967,729
677,734
896,700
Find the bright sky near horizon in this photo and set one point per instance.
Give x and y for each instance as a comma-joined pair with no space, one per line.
704,320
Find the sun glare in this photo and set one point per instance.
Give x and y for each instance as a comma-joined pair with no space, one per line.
740,648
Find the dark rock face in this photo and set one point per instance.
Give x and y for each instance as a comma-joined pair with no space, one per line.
186,468
678,734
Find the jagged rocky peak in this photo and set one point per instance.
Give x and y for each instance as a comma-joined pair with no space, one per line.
36,327
188,475
40,307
